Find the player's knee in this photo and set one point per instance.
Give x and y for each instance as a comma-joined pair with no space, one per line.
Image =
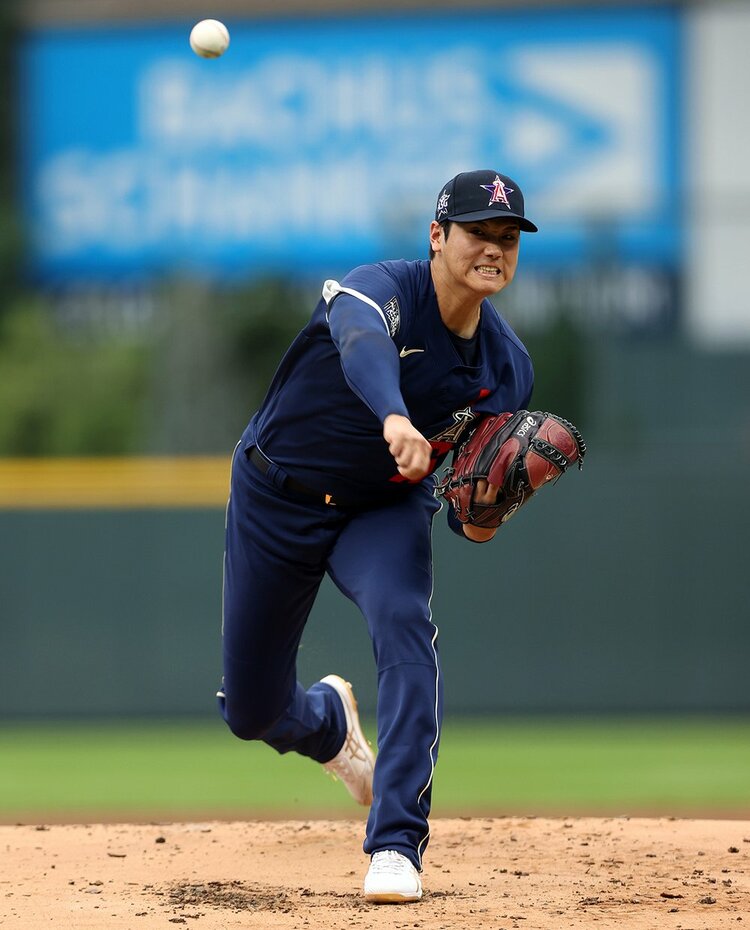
405,633
249,723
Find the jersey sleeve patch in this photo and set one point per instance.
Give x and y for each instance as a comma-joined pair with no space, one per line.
390,313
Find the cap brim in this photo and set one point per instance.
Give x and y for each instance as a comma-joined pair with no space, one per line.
524,224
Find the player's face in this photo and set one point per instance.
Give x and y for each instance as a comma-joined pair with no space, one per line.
481,256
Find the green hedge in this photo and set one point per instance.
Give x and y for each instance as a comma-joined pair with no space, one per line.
186,378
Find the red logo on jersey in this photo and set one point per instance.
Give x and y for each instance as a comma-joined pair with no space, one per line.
445,441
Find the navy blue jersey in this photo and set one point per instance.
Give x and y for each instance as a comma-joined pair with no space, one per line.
376,344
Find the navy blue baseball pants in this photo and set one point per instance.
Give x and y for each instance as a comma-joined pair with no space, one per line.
279,546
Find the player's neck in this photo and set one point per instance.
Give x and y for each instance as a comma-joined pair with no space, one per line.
459,310
461,322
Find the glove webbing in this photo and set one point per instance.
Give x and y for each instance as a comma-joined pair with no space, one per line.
580,442
551,453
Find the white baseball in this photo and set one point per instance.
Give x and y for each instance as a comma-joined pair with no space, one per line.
209,38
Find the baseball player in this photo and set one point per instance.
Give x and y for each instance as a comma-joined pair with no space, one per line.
334,474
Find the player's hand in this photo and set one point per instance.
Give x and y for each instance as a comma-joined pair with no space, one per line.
486,494
408,447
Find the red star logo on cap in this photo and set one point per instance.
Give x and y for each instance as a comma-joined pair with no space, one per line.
499,192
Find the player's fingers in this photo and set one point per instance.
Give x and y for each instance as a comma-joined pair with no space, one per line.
485,493
413,460
412,472
410,450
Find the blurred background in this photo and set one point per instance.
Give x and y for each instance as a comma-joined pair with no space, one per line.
166,224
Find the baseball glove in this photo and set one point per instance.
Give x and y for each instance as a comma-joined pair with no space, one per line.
516,452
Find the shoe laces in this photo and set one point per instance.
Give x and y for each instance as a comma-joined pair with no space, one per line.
350,753
353,749
390,862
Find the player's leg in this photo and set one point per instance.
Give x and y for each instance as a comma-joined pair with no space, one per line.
383,562
273,564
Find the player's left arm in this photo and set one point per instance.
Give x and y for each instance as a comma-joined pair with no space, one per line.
477,534
485,492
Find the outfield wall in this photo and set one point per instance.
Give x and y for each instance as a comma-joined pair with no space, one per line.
601,597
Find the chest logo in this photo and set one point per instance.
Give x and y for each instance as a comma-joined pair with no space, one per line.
461,419
404,352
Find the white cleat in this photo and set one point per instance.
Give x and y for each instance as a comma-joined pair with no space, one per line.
392,879
355,762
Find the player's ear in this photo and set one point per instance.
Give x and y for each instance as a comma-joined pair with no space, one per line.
436,236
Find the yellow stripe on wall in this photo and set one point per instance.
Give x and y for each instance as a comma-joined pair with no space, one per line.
114,482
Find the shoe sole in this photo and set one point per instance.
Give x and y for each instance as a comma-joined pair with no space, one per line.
392,898
345,691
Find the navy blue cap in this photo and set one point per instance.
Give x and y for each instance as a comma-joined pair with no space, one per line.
482,195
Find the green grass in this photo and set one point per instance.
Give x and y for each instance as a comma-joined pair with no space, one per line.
617,765
158,770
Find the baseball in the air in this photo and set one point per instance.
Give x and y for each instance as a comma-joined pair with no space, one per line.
209,38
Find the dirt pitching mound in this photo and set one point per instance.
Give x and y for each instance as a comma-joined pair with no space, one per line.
493,873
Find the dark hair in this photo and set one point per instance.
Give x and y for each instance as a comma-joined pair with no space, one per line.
446,224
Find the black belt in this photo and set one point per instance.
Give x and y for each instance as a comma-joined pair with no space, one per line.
290,484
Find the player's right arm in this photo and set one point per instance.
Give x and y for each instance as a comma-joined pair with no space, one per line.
370,364
408,447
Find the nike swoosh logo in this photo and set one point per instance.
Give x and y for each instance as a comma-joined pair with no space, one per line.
404,352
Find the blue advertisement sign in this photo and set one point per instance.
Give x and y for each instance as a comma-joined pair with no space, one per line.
317,144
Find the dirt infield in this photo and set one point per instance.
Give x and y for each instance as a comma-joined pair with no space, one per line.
493,873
